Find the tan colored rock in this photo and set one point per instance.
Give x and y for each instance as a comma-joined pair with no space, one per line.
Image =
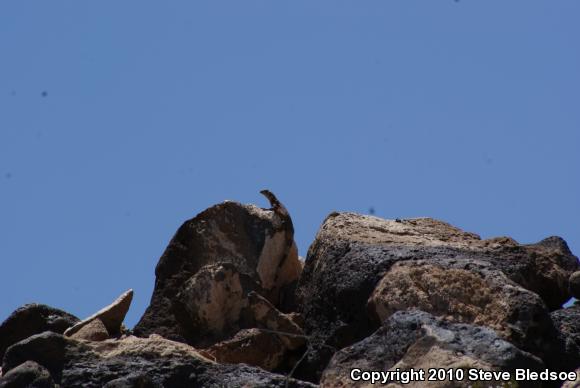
111,316
257,242
485,298
266,315
214,298
95,330
155,346
374,230
223,304
249,346
290,269
272,255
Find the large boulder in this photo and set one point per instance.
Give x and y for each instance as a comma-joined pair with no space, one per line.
131,361
352,253
212,263
33,319
417,340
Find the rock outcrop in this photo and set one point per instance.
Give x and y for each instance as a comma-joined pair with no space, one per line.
361,269
233,306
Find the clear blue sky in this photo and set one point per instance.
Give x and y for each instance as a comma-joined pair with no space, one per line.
465,111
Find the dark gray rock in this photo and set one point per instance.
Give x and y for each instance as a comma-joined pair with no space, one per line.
47,349
415,339
134,362
28,374
132,381
567,321
33,319
574,284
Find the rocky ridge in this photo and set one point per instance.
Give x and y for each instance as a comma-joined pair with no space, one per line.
234,306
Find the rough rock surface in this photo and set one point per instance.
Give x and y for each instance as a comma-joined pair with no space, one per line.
249,346
28,374
567,321
33,319
266,316
352,253
478,295
253,241
213,300
575,284
47,349
153,362
415,339
95,330
269,344
111,316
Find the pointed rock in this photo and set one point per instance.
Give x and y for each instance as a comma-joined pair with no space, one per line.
111,316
